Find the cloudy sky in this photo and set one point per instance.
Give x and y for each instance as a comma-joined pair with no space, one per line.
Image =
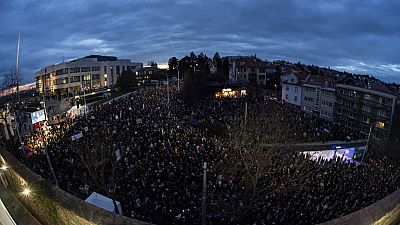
352,35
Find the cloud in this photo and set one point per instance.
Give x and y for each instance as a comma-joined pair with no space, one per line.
343,34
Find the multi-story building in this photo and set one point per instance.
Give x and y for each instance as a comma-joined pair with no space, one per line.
91,73
251,70
292,87
318,96
232,66
365,104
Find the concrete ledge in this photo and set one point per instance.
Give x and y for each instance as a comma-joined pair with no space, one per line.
50,205
385,211
17,211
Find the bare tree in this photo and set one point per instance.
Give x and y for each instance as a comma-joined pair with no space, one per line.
7,100
101,162
256,146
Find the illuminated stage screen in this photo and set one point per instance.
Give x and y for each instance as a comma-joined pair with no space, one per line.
345,153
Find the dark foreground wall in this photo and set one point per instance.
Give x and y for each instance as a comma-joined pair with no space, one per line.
51,205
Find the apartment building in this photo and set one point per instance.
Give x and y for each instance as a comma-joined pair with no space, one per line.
318,96
363,105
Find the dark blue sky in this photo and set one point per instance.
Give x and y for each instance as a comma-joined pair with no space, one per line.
352,35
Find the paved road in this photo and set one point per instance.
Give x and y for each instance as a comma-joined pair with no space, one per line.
5,217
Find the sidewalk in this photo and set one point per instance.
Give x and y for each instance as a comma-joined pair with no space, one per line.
17,211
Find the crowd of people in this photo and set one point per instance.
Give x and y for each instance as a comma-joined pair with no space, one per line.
162,143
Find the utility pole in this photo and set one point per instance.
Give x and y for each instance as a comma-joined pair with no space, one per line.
367,146
245,116
84,101
168,94
178,79
204,198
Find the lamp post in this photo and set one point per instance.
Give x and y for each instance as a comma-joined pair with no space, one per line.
204,197
369,137
84,100
178,77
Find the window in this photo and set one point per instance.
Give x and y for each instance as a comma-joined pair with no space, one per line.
65,70
366,108
327,93
326,114
310,90
118,71
296,89
287,97
75,70
339,111
262,70
85,77
308,99
75,79
353,93
295,98
340,101
105,69
95,68
328,104
292,80
341,91
85,69
351,103
62,81
383,101
381,113
287,88
367,96
96,77
59,72
260,77
351,115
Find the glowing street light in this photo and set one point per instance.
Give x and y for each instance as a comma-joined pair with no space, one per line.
4,167
26,192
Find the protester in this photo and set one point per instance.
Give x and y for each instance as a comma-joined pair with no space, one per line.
163,144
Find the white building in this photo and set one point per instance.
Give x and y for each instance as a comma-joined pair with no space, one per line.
91,73
292,88
251,70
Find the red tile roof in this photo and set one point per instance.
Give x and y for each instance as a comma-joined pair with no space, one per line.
250,62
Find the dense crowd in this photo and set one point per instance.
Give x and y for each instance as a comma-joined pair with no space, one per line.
163,144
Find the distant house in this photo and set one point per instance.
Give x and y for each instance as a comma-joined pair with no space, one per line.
292,88
251,70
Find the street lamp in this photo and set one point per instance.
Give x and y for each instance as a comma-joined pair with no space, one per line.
4,167
26,192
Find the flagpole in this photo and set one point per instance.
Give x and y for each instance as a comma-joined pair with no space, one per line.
17,83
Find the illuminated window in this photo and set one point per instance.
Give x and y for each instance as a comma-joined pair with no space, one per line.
380,125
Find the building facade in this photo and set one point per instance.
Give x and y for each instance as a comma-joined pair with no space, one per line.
318,96
90,72
251,70
365,106
292,88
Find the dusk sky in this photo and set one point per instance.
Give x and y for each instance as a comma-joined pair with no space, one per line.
351,35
